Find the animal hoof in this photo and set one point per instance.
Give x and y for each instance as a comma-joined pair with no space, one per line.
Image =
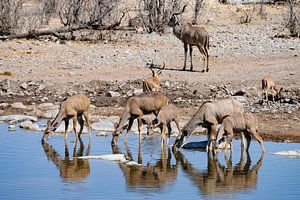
202,71
207,70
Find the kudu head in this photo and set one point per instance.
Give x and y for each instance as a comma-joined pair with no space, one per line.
158,73
174,19
117,133
47,131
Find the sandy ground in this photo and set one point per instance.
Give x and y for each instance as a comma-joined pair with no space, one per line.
240,55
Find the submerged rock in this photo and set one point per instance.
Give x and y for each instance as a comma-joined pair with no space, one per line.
11,127
289,153
30,126
113,157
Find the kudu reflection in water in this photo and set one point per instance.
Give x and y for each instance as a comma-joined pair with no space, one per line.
71,170
218,178
152,175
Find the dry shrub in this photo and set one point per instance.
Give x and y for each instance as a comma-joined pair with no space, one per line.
10,13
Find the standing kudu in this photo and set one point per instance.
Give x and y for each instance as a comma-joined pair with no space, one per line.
71,107
136,107
190,35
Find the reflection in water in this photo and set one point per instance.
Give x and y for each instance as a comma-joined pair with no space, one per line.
218,178
70,170
152,175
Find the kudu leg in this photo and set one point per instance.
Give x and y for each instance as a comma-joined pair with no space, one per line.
75,128
140,124
128,128
86,116
81,123
191,57
258,138
205,54
66,130
185,54
169,133
163,135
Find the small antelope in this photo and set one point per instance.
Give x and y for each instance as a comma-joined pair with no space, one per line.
190,35
71,107
238,123
136,107
165,116
152,83
267,84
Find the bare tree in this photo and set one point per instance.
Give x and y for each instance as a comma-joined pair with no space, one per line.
197,10
10,13
293,23
156,13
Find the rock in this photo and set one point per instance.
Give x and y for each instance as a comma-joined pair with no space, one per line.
44,99
41,87
241,99
167,84
201,145
129,93
11,127
137,91
18,118
106,124
18,105
110,157
61,128
24,86
4,105
289,153
6,86
241,92
103,134
30,126
112,94
45,105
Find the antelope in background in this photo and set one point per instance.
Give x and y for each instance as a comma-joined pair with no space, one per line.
152,83
209,115
268,84
136,107
190,35
70,108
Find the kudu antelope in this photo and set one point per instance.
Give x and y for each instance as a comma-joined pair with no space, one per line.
152,83
268,84
136,107
191,35
237,123
165,116
71,107
209,115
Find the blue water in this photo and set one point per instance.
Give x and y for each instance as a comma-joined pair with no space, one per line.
32,170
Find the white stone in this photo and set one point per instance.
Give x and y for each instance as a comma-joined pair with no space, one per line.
19,105
30,126
18,118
